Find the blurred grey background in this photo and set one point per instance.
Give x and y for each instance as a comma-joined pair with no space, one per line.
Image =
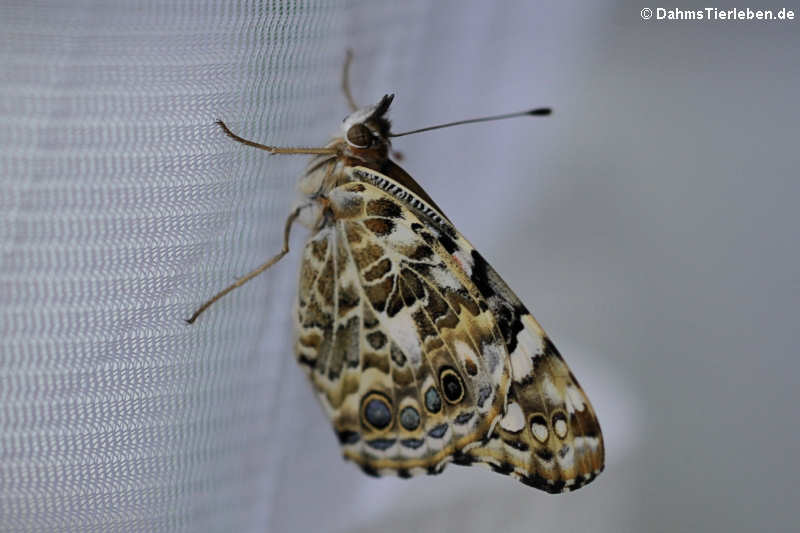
650,224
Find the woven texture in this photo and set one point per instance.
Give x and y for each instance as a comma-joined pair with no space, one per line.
121,208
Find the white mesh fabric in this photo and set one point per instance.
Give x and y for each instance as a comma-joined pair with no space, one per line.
122,207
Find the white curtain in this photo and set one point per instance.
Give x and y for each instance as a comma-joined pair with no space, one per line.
122,207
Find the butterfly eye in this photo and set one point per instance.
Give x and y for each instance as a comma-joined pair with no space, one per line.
452,386
359,136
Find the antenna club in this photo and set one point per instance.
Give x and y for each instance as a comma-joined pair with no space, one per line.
539,111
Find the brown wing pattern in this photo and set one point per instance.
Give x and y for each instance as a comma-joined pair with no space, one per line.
548,436
404,353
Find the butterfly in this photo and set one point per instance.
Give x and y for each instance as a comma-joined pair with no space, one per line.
419,352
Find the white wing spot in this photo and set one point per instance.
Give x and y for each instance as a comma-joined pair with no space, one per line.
464,351
445,279
529,343
574,400
514,420
586,444
551,391
493,354
521,364
464,261
403,330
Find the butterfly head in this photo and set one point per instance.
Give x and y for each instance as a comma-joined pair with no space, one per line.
366,131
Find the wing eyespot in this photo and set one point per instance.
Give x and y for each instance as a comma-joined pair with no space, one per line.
433,402
539,430
452,385
409,418
376,411
560,427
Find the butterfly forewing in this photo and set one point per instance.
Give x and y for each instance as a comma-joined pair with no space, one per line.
547,434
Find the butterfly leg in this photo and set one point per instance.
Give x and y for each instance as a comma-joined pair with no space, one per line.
247,277
274,149
348,58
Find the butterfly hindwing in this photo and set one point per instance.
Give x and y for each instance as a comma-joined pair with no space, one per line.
404,353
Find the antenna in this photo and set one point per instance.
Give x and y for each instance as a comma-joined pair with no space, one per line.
540,111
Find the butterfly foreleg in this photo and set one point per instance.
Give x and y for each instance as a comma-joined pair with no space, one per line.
247,277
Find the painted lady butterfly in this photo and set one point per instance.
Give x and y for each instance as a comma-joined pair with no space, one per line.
419,352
